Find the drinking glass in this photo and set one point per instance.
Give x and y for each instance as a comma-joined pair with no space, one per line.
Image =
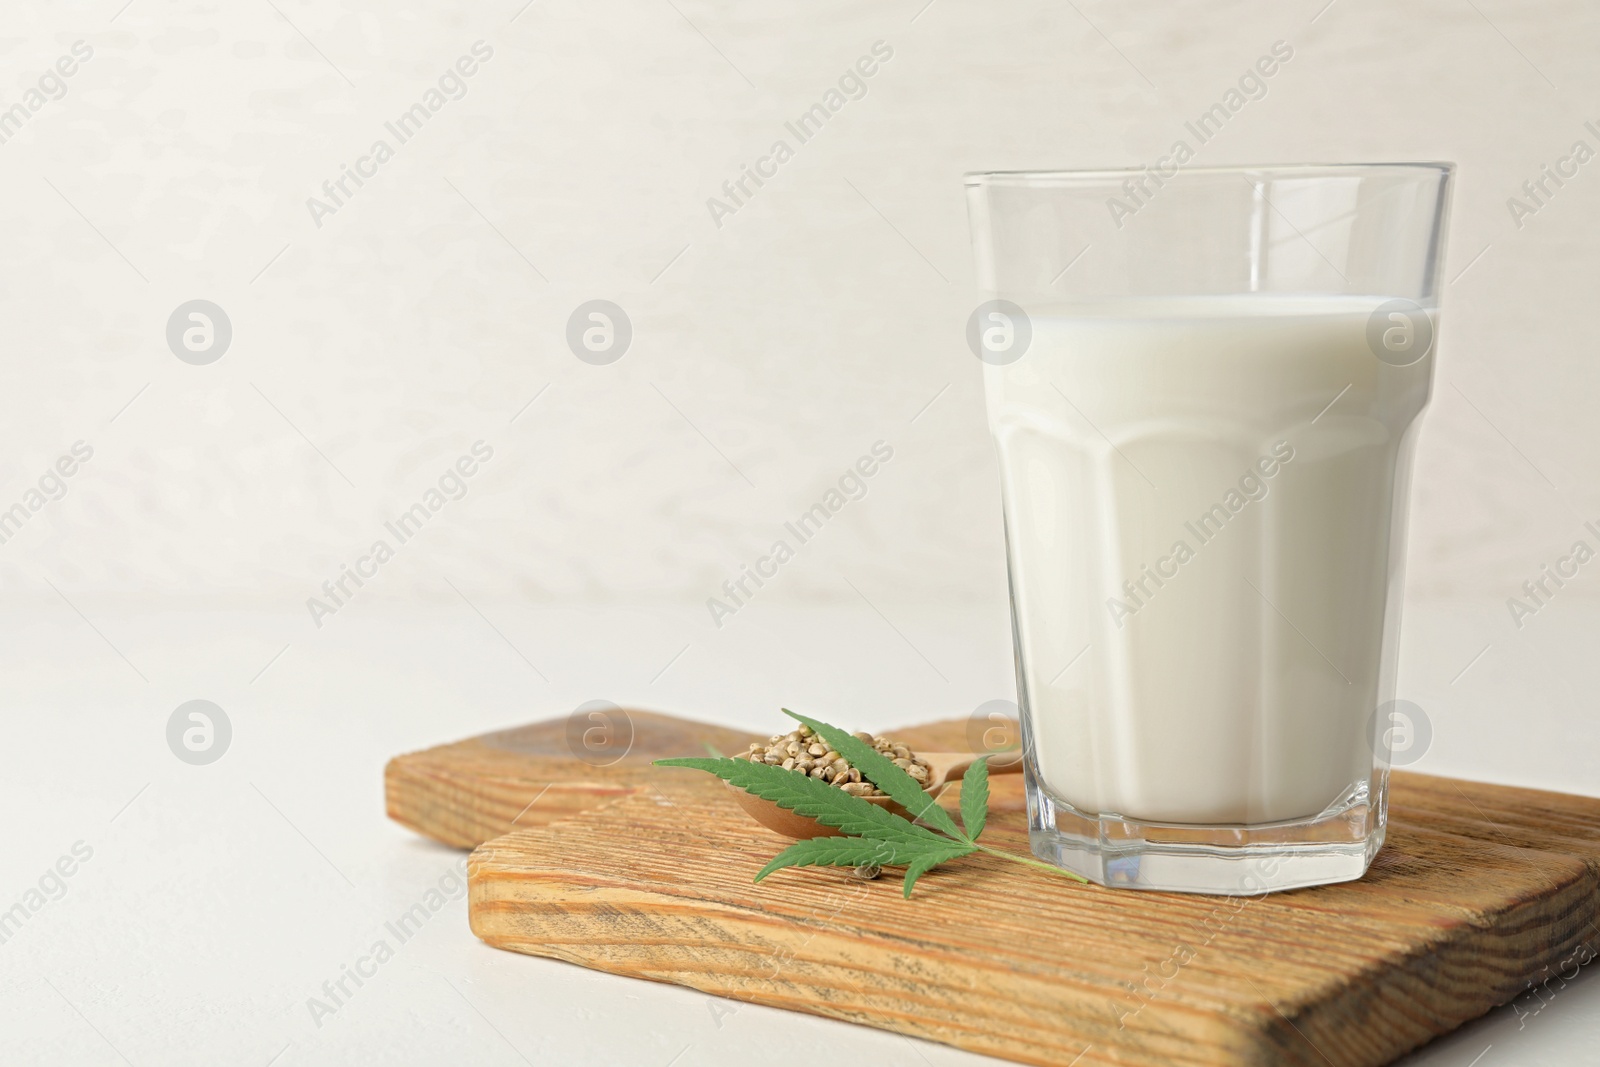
1204,387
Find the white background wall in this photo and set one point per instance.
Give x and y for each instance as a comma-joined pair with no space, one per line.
821,317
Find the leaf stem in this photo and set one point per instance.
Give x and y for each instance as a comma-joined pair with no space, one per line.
1031,862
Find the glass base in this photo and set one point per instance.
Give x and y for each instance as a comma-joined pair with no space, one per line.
1335,846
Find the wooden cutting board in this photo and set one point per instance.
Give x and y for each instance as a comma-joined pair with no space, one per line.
468,792
1481,892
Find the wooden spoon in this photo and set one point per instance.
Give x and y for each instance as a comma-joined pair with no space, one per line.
943,768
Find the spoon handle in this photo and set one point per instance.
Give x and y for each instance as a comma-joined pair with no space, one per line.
999,763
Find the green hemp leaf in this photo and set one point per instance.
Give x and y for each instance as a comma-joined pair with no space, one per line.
873,836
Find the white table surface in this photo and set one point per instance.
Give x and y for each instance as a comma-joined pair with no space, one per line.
219,899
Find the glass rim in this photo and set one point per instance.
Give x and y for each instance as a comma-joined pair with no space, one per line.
1085,177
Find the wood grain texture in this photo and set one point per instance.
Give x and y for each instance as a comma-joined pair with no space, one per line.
467,792
1480,893
1444,927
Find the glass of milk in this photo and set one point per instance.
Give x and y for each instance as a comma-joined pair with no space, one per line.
1204,387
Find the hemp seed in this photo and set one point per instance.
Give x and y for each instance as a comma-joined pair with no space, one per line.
801,751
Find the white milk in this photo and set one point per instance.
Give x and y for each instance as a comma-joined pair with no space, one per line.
1231,666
